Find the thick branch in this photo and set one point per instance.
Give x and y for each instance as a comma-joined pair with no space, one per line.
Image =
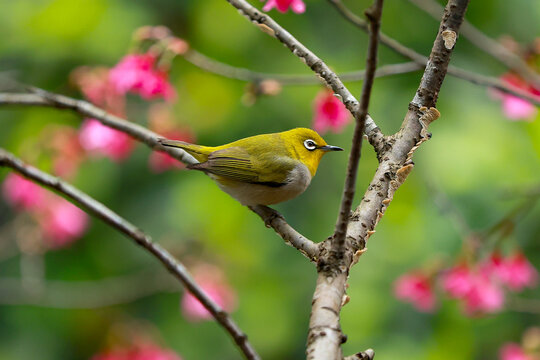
374,15
325,336
242,74
267,24
485,43
422,60
114,220
47,99
397,162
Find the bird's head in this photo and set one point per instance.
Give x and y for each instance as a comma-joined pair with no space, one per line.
307,146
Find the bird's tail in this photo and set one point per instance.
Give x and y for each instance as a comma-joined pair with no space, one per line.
199,152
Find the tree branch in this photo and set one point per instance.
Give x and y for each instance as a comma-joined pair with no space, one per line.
86,294
242,74
374,15
269,26
422,60
114,220
325,336
274,219
150,138
485,43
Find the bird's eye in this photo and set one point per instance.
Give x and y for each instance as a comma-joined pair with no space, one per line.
310,144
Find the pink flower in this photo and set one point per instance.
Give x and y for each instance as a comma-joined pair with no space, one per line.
137,73
67,152
297,6
96,87
515,271
103,140
330,113
212,280
483,297
144,352
512,351
61,222
475,288
457,281
516,108
22,193
415,288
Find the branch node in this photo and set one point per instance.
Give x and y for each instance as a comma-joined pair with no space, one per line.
450,37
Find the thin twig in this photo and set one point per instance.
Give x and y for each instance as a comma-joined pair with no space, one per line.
531,306
232,72
422,60
269,26
99,210
48,99
274,219
86,294
374,15
485,43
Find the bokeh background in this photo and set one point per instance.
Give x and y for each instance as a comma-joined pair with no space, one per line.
480,162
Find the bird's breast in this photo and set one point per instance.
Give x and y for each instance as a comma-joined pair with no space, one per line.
250,194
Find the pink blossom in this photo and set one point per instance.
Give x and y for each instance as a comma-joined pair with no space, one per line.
514,271
103,140
512,351
297,6
457,281
137,73
417,289
144,352
330,113
212,280
22,193
484,296
61,222
96,87
67,151
516,108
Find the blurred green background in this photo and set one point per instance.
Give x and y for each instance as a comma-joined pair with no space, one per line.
481,161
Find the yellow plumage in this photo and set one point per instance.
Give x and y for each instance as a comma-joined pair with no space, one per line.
263,169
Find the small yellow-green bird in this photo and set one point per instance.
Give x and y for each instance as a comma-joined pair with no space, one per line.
263,169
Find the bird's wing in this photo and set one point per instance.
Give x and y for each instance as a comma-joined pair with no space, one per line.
237,164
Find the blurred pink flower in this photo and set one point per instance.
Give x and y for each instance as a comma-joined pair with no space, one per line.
330,113
96,87
61,222
99,139
457,281
67,151
137,73
485,296
417,289
212,280
516,108
476,289
297,6
145,352
514,271
512,351
22,193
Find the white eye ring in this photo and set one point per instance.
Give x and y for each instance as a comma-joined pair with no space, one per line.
310,144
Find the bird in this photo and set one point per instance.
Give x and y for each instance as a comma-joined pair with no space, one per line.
263,169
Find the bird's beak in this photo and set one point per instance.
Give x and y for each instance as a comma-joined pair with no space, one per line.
330,148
